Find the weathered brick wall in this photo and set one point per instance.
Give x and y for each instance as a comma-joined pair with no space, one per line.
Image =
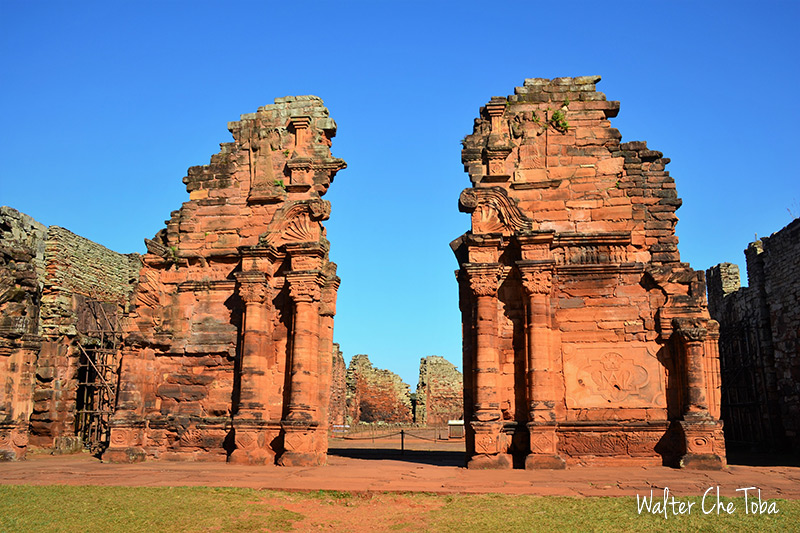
759,345
376,395
439,392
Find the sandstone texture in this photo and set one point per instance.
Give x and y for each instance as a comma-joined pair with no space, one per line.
439,395
62,297
376,395
585,337
228,353
759,343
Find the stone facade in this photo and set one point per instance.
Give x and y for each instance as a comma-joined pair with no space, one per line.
439,392
228,354
60,294
585,337
376,395
760,342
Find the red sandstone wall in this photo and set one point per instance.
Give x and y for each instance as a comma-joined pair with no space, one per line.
584,335
236,294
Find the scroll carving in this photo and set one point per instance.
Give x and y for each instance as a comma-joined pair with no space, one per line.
502,207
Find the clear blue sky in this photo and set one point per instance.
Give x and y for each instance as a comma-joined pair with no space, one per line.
103,107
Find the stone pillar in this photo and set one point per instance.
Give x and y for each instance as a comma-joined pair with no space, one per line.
702,433
540,392
327,312
254,292
486,423
252,413
301,422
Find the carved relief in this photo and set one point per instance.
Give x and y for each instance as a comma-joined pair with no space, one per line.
486,219
543,441
304,290
690,330
600,376
538,282
483,284
300,442
191,437
486,444
502,208
253,293
245,440
300,228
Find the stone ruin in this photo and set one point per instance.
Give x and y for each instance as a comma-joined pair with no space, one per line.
61,300
439,396
585,338
375,394
759,344
227,355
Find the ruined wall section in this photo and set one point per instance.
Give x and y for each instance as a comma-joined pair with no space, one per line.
53,282
21,269
338,403
572,266
782,284
239,269
759,345
376,395
439,392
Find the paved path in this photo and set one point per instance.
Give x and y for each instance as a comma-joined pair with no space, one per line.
416,474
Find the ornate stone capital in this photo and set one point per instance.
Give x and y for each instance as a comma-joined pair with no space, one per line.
253,293
253,287
537,281
690,330
483,284
304,287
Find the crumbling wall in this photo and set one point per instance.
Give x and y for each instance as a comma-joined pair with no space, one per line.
376,395
53,284
585,337
228,354
21,269
759,344
439,392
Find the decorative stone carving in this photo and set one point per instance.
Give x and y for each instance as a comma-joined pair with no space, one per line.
302,290
539,282
483,285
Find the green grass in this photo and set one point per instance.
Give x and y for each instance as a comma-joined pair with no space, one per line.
185,509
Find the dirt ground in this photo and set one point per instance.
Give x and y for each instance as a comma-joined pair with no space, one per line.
365,466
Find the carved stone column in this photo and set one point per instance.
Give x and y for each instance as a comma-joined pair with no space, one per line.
301,422
538,285
487,424
702,432
252,412
254,292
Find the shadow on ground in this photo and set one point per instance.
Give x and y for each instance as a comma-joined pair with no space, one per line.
749,458
435,458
